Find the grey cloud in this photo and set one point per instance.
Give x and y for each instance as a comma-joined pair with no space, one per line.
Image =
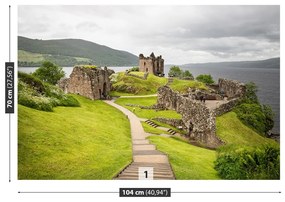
217,32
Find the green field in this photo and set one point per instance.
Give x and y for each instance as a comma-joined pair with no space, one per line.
73,142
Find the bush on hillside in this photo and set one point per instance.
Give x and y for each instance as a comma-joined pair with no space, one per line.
262,163
134,69
252,113
205,78
36,94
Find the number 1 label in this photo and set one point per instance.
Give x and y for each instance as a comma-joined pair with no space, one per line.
145,173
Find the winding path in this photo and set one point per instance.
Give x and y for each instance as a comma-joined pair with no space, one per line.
144,153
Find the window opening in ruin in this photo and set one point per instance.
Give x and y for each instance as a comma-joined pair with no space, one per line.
104,93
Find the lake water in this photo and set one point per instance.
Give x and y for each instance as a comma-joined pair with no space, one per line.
267,80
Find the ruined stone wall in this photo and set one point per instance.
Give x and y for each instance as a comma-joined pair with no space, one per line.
192,111
231,88
173,122
226,107
93,83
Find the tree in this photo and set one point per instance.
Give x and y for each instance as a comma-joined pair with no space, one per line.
175,71
187,74
269,117
250,93
205,78
49,72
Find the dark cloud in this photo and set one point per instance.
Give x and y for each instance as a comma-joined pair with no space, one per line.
193,33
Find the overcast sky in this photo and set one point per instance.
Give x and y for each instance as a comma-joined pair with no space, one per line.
181,34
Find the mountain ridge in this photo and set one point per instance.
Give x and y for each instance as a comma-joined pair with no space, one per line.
267,63
67,52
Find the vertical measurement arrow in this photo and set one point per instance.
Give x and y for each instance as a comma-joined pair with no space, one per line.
9,68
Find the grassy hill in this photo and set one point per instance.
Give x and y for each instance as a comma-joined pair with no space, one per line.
235,133
69,52
75,144
129,85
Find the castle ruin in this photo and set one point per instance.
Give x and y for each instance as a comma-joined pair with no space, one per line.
151,64
198,117
93,83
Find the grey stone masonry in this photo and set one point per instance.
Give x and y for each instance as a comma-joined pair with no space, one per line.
93,83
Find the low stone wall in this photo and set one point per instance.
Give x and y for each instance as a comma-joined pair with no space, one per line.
226,107
177,123
231,88
142,106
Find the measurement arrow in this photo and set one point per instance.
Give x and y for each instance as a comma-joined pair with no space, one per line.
6,81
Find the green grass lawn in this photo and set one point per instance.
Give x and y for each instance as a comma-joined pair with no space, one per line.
146,113
183,85
233,131
128,85
88,142
188,161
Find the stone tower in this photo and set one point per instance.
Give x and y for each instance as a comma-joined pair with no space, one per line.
151,64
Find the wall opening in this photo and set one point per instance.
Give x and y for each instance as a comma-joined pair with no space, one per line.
104,94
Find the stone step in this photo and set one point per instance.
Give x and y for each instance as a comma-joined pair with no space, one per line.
151,123
150,158
172,132
135,169
140,141
164,168
144,147
147,152
155,176
136,178
155,173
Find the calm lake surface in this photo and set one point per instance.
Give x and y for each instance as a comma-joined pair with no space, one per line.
267,80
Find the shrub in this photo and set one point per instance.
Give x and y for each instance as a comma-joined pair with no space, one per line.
205,78
33,81
134,69
49,73
261,163
252,115
36,94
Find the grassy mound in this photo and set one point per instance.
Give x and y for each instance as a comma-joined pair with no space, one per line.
187,161
34,93
125,84
73,142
